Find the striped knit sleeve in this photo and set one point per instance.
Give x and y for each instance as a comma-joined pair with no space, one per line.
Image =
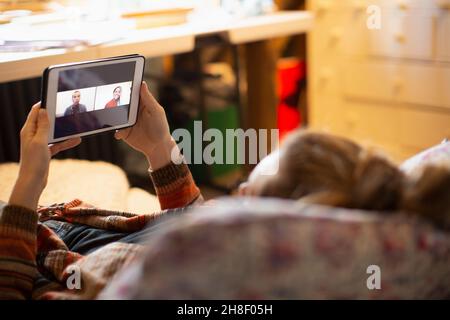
175,186
18,246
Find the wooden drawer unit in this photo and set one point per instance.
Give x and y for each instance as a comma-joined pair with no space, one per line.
443,35
355,38
424,84
376,80
327,80
422,128
340,27
373,123
329,115
408,30
387,88
328,28
415,83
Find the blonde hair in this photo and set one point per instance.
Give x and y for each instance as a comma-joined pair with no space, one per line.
326,169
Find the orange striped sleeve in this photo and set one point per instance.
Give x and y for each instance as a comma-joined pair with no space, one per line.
18,248
175,186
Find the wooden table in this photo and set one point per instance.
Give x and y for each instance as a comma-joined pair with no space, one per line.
157,42
171,40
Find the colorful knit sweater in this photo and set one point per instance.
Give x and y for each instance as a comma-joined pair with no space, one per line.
36,264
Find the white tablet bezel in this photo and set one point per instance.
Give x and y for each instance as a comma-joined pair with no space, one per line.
52,89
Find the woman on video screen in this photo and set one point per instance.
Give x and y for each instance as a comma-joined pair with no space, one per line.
115,101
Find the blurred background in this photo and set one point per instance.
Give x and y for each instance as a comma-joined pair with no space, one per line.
375,71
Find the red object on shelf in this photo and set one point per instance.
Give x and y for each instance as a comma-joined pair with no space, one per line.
290,73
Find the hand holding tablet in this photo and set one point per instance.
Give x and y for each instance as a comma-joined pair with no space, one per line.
103,95
88,98
150,135
92,97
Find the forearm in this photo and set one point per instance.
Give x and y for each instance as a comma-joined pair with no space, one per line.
18,246
26,192
172,179
18,243
162,154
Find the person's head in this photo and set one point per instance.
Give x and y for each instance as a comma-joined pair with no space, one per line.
326,169
76,96
117,92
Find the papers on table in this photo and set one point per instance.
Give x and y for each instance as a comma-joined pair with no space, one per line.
19,37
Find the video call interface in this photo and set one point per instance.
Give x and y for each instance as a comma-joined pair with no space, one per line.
92,98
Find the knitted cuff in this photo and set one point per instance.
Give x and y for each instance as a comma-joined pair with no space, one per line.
167,178
174,186
17,217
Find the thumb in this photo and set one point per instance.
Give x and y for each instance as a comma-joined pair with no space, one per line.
43,123
30,125
147,98
122,134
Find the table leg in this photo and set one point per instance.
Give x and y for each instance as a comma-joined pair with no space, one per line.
261,87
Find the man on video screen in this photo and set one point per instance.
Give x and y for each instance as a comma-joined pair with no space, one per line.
76,107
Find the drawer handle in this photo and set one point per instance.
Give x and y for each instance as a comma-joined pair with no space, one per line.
403,5
323,6
325,75
335,35
358,6
400,37
352,120
397,85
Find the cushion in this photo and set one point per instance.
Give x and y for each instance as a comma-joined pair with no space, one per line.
99,183
140,201
281,249
436,155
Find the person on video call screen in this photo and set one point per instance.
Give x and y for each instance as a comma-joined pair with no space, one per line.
115,101
76,107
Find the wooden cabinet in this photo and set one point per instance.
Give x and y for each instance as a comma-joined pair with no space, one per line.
425,85
420,127
387,87
443,35
404,35
368,79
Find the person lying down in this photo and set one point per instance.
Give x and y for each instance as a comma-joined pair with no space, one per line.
42,246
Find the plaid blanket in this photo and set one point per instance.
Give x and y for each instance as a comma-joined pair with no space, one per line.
36,264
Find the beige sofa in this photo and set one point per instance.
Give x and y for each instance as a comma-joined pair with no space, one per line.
99,183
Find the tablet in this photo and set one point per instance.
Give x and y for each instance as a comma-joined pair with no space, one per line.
91,97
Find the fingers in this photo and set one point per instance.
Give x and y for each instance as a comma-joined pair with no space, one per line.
122,134
147,99
242,190
58,147
30,125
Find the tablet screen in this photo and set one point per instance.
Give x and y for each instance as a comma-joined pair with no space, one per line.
92,98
